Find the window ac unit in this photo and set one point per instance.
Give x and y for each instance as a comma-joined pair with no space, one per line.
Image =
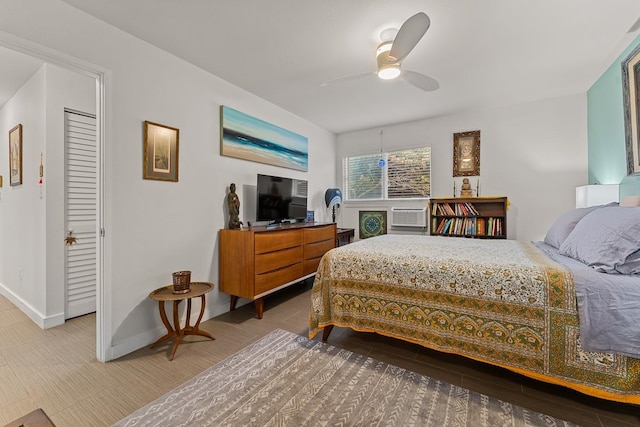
408,217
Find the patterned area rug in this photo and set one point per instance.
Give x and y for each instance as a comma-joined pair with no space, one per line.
286,380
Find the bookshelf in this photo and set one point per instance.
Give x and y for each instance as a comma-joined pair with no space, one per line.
477,217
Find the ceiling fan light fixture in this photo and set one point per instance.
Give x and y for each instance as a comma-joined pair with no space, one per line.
389,72
394,47
387,68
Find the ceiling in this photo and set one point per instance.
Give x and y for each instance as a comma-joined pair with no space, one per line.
15,71
483,53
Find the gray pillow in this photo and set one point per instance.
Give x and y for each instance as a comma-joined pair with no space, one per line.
564,225
631,264
605,238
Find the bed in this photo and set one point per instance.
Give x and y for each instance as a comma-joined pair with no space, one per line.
564,311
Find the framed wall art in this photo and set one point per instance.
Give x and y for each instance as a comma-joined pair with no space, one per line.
372,223
15,155
249,138
466,153
160,152
631,99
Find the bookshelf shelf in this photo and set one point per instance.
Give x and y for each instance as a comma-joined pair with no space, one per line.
476,217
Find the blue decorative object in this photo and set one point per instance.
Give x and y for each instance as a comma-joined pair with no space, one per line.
333,198
382,163
310,216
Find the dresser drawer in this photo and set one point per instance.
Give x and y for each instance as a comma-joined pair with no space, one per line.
276,240
316,250
317,234
311,265
267,281
275,260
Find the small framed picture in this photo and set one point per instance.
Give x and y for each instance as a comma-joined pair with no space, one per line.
310,216
466,153
372,223
15,155
160,152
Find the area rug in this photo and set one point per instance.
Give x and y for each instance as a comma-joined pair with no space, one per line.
285,379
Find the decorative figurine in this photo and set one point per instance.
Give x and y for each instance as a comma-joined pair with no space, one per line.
233,203
70,240
465,189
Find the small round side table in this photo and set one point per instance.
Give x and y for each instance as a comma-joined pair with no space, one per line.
196,289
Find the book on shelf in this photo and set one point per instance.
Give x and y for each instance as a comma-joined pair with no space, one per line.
448,210
472,209
458,209
494,226
481,227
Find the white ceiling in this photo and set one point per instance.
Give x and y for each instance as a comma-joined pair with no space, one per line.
483,53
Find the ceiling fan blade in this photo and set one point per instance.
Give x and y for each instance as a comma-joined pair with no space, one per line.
409,35
420,81
347,78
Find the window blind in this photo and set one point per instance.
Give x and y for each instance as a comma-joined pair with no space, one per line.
393,175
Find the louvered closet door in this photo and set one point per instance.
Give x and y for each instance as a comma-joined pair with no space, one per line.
80,199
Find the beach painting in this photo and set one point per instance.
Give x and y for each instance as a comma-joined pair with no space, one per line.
249,138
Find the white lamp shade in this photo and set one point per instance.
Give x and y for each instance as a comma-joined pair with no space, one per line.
594,195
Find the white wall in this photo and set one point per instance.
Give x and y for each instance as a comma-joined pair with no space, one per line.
535,154
22,237
154,228
31,215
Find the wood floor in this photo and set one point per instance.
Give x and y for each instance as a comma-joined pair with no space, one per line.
56,369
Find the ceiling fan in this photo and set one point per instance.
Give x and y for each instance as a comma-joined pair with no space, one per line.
393,50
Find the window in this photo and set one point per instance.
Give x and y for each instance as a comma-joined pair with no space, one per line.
404,174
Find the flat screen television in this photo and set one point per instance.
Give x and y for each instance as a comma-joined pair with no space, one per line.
280,199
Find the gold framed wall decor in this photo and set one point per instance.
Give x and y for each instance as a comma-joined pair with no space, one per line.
160,152
15,155
466,153
631,98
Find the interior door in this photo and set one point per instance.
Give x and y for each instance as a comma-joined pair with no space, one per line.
81,214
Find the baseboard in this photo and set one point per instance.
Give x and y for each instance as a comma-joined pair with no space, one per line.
38,318
136,342
146,338
52,321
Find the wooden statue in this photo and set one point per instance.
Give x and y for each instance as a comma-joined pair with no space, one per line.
233,203
465,189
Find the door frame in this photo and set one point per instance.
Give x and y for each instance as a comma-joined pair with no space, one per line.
102,77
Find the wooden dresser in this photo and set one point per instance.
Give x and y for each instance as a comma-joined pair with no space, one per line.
259,261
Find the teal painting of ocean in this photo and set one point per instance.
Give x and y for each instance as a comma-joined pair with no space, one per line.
249,138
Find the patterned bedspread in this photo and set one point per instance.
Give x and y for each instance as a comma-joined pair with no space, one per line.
499,301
